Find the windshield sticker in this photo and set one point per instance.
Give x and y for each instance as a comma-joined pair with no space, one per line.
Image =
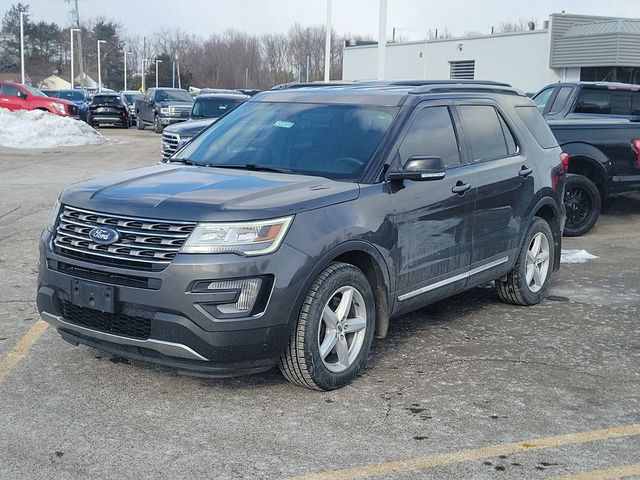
283,124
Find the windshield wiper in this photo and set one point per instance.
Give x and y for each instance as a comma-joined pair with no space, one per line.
252,166
186,161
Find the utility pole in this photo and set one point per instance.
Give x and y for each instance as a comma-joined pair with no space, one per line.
308,59
125,69
178,71
382,40
71,31
144,59
100,66
246,77
22,15
80,56
157,62
327,44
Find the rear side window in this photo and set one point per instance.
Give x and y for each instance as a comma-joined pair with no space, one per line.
561,99
537,126
486,135
542,98
431,134
592,100
10,90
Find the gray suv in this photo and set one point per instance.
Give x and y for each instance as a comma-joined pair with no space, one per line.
291,231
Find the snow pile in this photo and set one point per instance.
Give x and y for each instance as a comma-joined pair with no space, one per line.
40,129
575,256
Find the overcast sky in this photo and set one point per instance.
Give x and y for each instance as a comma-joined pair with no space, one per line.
412,18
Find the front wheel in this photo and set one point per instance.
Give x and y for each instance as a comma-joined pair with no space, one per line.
139,123
157,124
334,331
583,203
528,282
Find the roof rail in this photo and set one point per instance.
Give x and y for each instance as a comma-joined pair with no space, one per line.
479,87
421,83
337,83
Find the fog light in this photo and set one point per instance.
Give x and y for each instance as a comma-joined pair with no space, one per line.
249,289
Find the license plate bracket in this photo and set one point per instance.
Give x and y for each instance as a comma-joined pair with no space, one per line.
93,295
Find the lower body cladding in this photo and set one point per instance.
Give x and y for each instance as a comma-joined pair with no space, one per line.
215,315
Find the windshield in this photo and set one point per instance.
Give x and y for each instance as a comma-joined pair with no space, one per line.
334,141
132,97
214,107
113,99
173,95
72,95
34,91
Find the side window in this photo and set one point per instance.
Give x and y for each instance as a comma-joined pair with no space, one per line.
431,134
621,103
484,132
512,146
561,99
537,125
10,90
148,95
594,100
542,98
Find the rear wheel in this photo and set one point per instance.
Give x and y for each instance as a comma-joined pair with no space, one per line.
334,331
583,203
528,282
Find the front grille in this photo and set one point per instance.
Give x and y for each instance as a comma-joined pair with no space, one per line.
144,244
170,142
117,324
180,111
105,277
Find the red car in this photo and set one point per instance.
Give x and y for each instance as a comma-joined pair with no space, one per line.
15,96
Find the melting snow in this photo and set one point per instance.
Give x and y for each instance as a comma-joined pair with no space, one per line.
39,129
575,256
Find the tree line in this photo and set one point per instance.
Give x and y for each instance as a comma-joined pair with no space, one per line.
231,59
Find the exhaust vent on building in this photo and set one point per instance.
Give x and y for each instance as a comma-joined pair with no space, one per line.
462,69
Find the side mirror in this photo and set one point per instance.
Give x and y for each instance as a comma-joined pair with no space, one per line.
23,95
420,168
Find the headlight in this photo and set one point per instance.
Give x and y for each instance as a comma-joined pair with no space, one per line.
165,110
58,106
247,238
53,216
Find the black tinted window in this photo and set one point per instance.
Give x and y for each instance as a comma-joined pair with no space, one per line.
561,99
431,134
537,126
214,107
592,100
512,146
10,90
483,132
106,99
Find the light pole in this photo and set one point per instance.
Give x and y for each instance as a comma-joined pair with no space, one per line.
22,15
382,39
125,69
142,82
71,30
327,44
157,62
100,66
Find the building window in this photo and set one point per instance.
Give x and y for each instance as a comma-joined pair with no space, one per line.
610,74
462,70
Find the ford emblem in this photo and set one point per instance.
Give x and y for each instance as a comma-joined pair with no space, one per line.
104,235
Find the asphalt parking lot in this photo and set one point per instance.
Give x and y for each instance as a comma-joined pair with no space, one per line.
466,388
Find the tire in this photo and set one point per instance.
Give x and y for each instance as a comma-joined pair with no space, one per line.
125,124
583,203
139,123
301,363
157,126
516,288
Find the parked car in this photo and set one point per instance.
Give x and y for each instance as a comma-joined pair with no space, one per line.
163,106
129,97
108,108
291,231
207,108
605,161
589,99
219,91
15,96
77,96
249,91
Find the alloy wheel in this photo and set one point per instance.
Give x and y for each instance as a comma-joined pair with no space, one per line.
538,261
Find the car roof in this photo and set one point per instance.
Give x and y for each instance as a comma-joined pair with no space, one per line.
608,85
380,93
223,95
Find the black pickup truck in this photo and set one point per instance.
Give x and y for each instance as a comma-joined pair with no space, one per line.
163,106
604,161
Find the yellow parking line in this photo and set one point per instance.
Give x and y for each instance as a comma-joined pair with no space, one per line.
11,359
613,473
429,461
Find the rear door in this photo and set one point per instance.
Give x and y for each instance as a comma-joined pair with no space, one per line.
434,224
505,187
10,97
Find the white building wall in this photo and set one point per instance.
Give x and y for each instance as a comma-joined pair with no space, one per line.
521,59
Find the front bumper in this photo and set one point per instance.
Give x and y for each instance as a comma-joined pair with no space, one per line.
184,333
171,120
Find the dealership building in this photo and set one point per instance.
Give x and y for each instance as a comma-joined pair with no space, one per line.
566,48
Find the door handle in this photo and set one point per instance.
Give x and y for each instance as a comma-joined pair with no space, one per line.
460,188
525,172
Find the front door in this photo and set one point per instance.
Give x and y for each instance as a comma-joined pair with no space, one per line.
434,218
10,97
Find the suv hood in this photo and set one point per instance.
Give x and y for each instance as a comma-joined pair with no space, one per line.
180,192
190,127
